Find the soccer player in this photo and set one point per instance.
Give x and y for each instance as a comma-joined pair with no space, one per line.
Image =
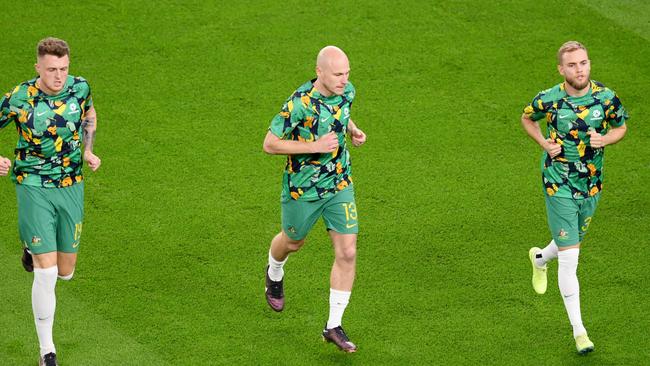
54,116
582,117
311,129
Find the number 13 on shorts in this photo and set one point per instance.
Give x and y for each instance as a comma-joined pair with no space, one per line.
77,231
350,214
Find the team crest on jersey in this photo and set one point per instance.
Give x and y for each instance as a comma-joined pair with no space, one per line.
73,108
36,241
292,229
346,112
596,113
563,235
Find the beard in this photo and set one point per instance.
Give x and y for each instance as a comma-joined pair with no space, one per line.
577,85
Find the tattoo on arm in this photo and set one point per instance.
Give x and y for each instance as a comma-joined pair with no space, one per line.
88,125
88,121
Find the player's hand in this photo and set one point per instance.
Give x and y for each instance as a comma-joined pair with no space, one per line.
326,144
358,137
5,165
552,148
92,160
596,140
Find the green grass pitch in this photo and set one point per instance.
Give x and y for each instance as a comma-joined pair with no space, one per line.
180,215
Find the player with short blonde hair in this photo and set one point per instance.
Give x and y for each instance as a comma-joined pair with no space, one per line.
55,118
582,118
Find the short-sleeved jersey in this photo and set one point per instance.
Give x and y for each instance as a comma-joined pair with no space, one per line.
577,171
48,152
306,116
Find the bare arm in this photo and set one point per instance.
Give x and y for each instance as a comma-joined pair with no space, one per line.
614,135
352,127
89,125
277,146
532,129
358,137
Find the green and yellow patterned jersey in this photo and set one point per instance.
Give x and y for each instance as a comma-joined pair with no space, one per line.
577,172
306,116
48,152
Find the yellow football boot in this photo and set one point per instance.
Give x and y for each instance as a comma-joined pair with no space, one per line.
583,344
539,273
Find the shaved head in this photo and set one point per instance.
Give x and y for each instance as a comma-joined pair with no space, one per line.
333,70
327,54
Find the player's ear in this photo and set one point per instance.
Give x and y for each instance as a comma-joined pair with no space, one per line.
560,69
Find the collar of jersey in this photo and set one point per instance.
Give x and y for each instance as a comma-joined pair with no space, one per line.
314,93
64,91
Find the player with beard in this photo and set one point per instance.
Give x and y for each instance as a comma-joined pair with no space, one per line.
582,117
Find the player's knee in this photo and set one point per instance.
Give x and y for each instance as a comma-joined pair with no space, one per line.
66,277
348,253
295,245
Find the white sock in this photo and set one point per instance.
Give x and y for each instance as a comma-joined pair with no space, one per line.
68,277
276,272
570,288
338,302
43,305
548,253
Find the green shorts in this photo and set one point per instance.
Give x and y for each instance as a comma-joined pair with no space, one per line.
50,219
569,219
339,213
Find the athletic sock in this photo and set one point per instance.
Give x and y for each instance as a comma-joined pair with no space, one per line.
338,302
276,272
68,277
547,254
570,288
44,305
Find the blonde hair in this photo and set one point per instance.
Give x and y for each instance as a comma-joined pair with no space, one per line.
52,46
569,46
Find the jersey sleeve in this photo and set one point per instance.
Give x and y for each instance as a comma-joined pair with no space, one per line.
616,113
6,115
536,109
289,117
89,102
350,93
83,92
